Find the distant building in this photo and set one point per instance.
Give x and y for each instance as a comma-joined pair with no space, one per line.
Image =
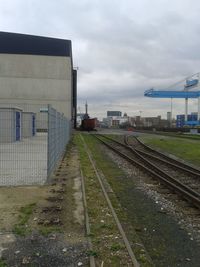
114,113
169,116
107,122
191,120
132,121
151,121
115,123
114,119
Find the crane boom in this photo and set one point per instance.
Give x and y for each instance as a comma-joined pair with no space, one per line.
171,94
186,92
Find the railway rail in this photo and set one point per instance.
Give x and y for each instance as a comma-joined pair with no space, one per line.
141,147
180,179
119,226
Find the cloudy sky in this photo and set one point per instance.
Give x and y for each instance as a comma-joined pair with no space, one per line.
121,48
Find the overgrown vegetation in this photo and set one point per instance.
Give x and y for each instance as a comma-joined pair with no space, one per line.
21,228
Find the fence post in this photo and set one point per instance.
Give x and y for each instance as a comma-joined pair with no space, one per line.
48,143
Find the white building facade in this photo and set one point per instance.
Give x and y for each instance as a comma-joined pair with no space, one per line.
37,71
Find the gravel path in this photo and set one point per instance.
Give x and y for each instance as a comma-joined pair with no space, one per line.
38,251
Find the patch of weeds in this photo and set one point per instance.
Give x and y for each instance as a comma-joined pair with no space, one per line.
21,227
91,235
32,265
92,253
106,226
116,247
143,258
45,231
3,264
20,230
92,212
97,241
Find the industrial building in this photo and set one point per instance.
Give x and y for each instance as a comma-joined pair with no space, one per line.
114,119
37,71
37,106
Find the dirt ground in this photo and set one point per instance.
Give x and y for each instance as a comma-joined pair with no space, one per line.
44,225
13,198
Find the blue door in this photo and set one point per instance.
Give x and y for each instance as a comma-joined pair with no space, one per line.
18,125
33,125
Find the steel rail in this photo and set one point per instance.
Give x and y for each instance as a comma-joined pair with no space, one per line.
190,171
119,226
152,165
183,190
183,167
87,223
179,163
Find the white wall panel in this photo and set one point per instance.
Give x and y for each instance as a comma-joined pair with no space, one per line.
49,67
36,80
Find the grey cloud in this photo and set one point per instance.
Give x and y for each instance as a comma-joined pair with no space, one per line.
121,47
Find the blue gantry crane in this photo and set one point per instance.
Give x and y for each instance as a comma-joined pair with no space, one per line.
190,88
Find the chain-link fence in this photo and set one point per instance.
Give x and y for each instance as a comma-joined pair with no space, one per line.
32,141
58,137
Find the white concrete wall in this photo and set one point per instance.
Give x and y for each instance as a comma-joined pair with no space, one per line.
36,80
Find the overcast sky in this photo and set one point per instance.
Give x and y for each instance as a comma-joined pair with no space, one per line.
121,48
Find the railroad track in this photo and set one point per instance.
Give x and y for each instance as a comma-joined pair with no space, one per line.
180,171
141,147
183,181
119,226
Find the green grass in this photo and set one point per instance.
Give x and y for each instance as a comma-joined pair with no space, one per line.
188,150
92,253
116,247
97,208
178,134
46,230
21,228
112,172
3,264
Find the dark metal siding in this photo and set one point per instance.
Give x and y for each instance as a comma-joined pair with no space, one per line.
15,43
